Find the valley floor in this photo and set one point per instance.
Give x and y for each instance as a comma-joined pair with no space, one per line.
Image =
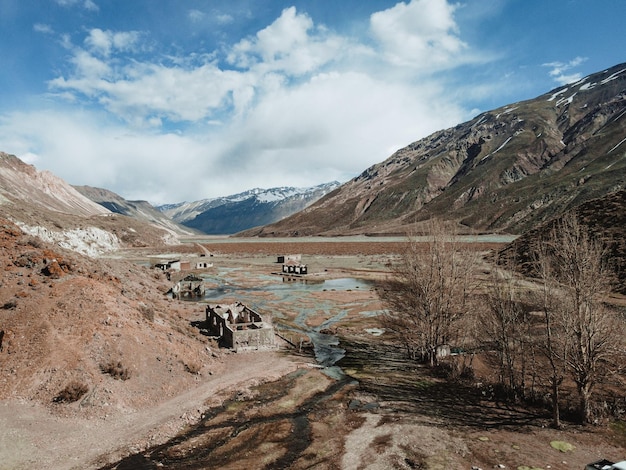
279,410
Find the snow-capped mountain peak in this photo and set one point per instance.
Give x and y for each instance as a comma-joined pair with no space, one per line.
258,206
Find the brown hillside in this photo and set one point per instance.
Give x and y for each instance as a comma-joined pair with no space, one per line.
606,219
66,318
506,170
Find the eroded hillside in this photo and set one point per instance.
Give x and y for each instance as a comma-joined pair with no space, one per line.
67,318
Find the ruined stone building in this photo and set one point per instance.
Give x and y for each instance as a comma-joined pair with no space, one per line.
286,258
240,327
189,286
294,267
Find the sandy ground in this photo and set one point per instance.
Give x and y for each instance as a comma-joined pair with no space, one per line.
33,437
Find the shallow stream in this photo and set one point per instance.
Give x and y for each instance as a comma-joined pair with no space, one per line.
295,295
281,423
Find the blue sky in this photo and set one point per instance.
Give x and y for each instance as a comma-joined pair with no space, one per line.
170,101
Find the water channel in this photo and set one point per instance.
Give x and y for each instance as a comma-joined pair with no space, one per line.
222,437
295,295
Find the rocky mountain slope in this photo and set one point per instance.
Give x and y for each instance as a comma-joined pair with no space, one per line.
506,170
231,214
606,219
46,206
65,317
140,210
23,182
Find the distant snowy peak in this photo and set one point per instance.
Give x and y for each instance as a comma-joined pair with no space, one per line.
185,211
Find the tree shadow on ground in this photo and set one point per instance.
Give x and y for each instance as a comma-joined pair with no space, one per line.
404,386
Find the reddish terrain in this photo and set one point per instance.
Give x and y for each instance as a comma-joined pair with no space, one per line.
70,319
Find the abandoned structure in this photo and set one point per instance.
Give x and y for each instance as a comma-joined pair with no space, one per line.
203,265
183,265
240,327
189,286
173,265
293,267
292,264
282,259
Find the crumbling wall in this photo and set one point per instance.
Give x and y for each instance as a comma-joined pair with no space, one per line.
253,338
239,327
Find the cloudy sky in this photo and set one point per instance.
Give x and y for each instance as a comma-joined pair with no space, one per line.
172,100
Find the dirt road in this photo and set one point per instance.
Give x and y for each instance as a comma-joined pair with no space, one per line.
33,437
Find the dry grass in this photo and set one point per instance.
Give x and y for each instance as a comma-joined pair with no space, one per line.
116,370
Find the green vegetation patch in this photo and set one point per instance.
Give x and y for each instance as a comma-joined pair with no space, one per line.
619,432
562,446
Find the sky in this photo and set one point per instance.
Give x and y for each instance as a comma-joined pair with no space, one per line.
182,100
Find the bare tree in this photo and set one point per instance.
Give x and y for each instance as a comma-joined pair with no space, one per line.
504,327
577,277
427,293
552,338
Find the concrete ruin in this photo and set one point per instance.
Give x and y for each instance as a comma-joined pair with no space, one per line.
170,265
189,286
176,265
239,327
286,258
294,267
292,264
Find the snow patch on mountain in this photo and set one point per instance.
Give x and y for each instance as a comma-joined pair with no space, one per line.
560,92
613,76
567,100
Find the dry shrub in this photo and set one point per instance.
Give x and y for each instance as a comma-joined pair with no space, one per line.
193,367
9,305
147,311
116,370
35,242
72,392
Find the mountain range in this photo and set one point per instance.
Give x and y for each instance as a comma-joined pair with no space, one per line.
506,170
231,214
46,206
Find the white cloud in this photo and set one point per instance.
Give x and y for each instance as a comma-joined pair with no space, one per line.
224,18
186,90
146,90
104,42
91,5
329,128
43,28
291,44
297,104
195,15
86,4
559,69
198,16
421,34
